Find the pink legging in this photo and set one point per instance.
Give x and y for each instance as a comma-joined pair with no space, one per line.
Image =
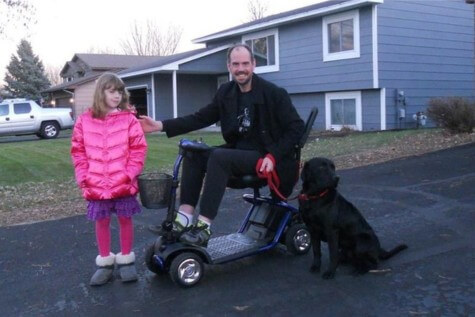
103,235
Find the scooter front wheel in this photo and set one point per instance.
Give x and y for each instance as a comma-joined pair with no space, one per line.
297,239
186,269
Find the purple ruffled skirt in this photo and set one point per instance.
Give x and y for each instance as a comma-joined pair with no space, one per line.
123,207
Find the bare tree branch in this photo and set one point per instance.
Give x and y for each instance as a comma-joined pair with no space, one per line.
16,14
52,73
147,39
101,50
257,9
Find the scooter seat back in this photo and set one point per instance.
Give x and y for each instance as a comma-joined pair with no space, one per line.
247,181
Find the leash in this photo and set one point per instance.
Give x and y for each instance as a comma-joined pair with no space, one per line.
312,197
273,180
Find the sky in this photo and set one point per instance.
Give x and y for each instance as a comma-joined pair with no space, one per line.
66,27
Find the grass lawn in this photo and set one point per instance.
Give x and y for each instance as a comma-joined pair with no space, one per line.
49,160
354,143
46,160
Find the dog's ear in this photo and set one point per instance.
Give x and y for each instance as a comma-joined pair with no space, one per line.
303,174
336,179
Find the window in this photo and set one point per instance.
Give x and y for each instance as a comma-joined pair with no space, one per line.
341,36
19,108
343,109
265,47
3,109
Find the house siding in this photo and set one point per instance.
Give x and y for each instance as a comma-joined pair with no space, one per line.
144,80
425,49
214,63
305,102
163,96
84,97
371,111
370,108
195,92
302,68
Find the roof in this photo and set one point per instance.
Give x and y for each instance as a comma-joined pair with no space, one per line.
307,12
74,83
170,62
109,61
115,61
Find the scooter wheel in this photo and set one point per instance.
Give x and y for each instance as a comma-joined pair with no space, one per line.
297,239
186,269
149,262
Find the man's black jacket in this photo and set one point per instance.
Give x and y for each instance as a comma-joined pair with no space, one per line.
279,125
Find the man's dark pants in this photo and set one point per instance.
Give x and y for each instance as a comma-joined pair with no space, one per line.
218,165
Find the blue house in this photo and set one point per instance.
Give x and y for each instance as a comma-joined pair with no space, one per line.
366,64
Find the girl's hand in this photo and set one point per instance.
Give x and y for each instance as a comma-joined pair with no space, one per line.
150,125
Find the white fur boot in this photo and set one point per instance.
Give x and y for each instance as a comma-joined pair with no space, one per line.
126,264
105,268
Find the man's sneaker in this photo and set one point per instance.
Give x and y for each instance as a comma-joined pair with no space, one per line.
198,235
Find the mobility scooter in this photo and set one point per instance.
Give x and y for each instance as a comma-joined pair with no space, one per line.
269,221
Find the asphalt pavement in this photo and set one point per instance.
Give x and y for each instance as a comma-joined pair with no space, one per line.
426,202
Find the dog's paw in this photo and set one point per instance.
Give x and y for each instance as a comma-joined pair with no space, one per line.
315,269
328,275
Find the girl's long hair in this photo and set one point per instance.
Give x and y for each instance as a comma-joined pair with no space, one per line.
104,82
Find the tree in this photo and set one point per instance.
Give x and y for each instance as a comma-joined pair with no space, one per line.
53,74
15,13
101,50
25,77
149,40
256,9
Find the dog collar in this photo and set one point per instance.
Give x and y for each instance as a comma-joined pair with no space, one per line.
313,197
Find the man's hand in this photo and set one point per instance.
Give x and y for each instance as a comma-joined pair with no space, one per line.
267,165
150,125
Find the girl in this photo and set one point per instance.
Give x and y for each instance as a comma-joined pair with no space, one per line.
108,152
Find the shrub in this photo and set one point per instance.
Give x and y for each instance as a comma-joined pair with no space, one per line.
455,114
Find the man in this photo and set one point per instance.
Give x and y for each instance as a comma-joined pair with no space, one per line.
257,119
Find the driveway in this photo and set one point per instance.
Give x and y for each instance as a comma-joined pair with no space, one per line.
426,202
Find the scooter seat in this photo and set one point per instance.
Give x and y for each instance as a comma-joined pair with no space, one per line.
246,181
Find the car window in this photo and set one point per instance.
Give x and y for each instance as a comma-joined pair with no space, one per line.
3,109
19,108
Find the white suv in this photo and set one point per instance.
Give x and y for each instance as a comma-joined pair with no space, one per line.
22,116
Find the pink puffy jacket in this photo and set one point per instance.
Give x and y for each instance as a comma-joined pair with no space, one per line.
108,154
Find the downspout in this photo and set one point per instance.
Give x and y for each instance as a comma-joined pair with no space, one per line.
175,102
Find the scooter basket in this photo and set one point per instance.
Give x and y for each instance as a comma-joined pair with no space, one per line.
155,189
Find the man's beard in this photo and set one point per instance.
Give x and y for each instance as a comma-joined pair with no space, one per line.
243,84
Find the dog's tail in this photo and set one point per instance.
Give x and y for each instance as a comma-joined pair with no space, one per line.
384,255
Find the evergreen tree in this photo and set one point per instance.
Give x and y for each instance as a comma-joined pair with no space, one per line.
25,77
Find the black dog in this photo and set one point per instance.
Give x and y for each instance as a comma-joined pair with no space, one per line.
332,219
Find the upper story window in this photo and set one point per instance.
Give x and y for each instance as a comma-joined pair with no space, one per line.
341,36
265,46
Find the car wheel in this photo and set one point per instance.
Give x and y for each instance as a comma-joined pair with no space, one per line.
49,130
297,239
186,269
